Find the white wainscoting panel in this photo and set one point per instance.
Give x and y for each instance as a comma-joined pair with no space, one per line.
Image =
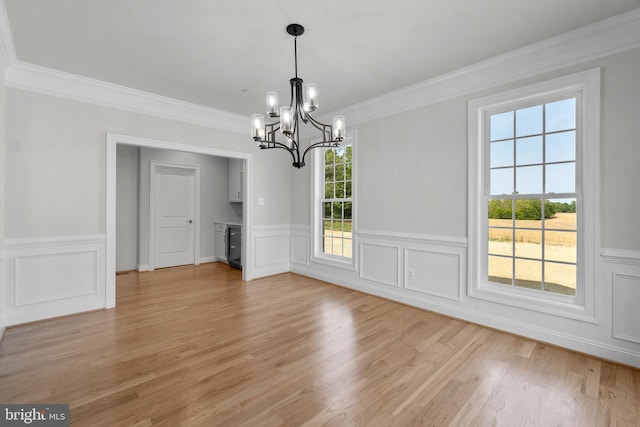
74,273
300,245
621,277
272,250
433,272
626,315
53,276
380,263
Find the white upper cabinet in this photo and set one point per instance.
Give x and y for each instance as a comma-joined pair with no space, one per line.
236,180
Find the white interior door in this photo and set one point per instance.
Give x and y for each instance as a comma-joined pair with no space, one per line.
173,216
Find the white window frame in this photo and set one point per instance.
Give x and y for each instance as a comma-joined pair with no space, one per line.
317,192
580,307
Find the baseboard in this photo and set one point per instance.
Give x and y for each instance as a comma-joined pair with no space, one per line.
52,312
270,270
2,330
203,260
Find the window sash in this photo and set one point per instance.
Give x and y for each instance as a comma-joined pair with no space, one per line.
513,137
586,85
335,229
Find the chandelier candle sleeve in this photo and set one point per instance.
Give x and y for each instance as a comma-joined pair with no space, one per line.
272,104
338,128
310,97
257,126
286,120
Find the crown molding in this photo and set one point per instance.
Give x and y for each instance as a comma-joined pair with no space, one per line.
603,38
21,75
31,77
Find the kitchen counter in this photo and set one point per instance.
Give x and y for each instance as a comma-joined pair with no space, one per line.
228,221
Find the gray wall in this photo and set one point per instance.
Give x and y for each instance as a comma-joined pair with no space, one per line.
620,152
55,172
412,167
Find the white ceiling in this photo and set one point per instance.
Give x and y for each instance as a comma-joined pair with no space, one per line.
210,52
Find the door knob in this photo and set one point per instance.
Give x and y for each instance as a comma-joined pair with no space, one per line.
189,221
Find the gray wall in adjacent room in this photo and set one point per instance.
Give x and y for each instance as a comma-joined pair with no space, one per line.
132,192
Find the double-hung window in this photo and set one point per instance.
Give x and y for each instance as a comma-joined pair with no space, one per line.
333,211
533,189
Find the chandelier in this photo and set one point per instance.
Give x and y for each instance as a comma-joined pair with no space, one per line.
304,100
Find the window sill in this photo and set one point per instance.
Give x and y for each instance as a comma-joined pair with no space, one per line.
566,307
337,262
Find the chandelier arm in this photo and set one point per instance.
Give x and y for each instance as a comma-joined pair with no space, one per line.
267,145
275,126
301,113
294,150
298,97
319,125
271,140
294,93
321,144
324,128
295,156
295,131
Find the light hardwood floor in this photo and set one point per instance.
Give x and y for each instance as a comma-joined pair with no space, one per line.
197,346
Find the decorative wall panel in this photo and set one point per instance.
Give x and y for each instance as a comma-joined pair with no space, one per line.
53,276
626,316
56,276
380,263
433,273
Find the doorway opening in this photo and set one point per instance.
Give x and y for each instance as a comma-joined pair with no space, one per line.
174,237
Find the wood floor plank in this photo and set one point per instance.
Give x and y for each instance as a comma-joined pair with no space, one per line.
197,346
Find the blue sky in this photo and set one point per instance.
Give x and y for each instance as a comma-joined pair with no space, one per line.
518,147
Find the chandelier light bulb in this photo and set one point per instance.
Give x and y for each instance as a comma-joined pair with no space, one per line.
311,96
286,120
339,128
272,104
257,126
